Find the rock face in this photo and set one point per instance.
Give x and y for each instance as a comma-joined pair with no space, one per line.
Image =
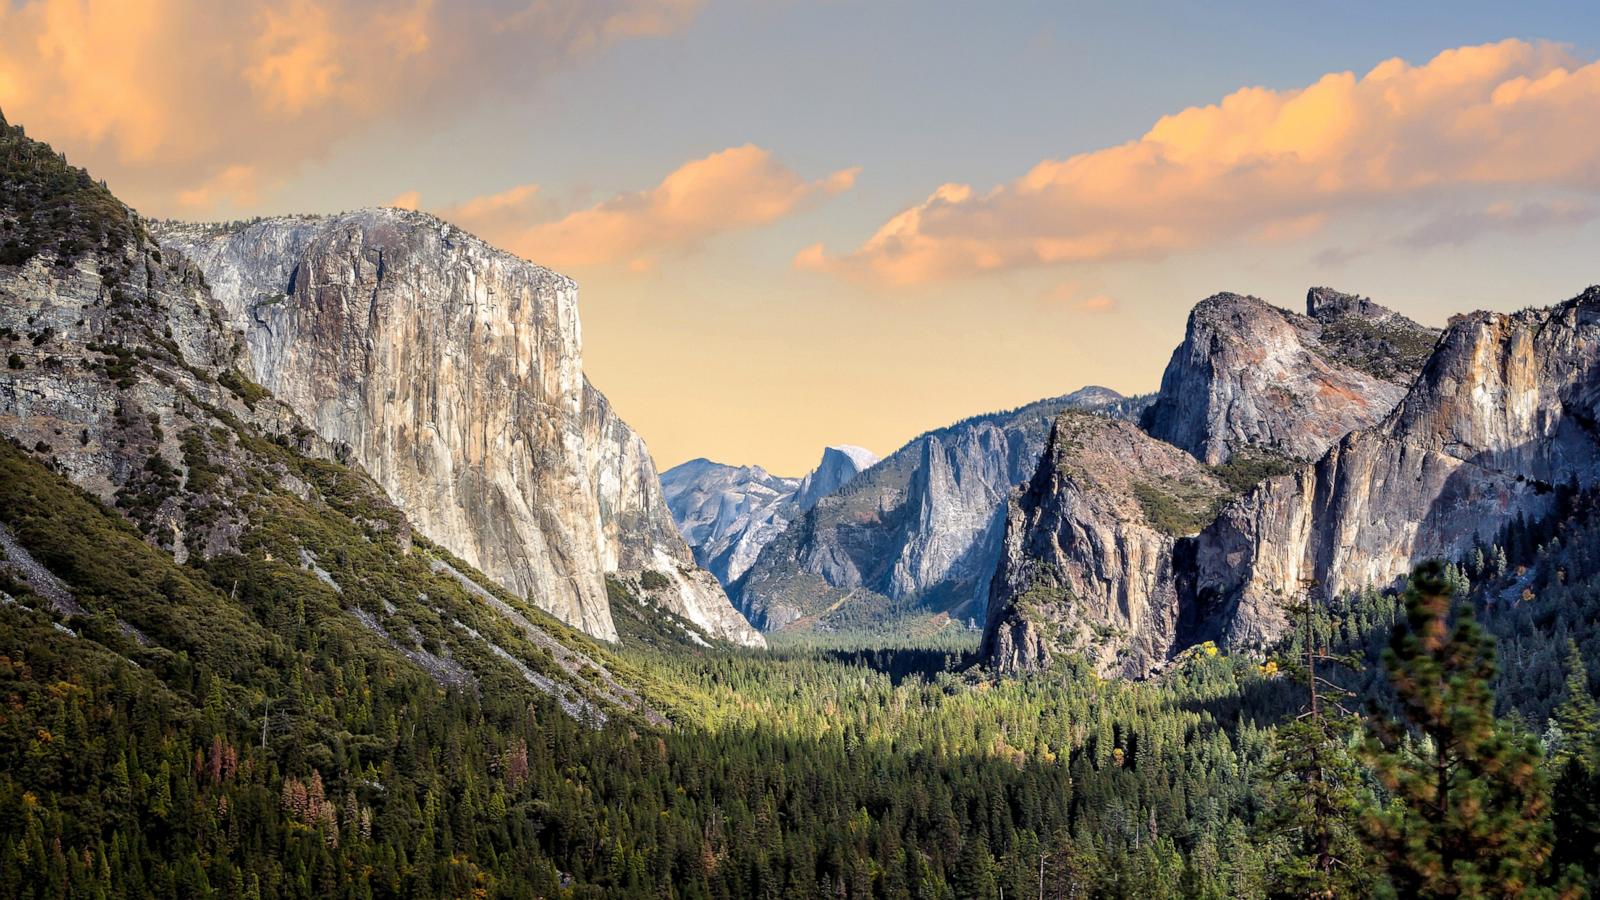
1251,375
115,357
1504,411
920,530
452,372
1085,566
727,514
122,376
839,465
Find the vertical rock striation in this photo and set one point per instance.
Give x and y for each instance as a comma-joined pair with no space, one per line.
452,372
1503,413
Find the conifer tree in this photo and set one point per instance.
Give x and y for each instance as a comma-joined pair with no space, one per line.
1575,762
1315,783
1577,715
1468,816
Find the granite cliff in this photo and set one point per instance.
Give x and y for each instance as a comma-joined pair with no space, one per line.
452,372
1088,549
1251,375
1503,413
172,512
1499,416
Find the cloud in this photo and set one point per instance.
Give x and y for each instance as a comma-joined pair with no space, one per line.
501,217
1334,257
237,185
406,200
165,96
1454,229
1263,165
734,189
1071,295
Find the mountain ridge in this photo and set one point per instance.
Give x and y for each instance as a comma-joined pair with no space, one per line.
917,533
1488,425
727,514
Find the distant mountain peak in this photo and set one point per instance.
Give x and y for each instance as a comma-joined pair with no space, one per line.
861,456
729,513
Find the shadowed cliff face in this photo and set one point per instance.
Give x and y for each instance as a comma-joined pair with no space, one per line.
453,373
1085,566
1503,411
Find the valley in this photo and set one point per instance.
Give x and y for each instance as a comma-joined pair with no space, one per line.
326,571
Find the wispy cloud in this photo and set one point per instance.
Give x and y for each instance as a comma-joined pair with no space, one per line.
1072,296
734,189
1456,228
167,96
1264,165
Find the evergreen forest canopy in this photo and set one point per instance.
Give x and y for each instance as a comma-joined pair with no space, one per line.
1426,770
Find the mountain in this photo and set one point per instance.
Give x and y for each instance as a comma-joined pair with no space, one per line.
1501,419
919,531
452,372
1498,421
839,465
1251,375
728,513
168,512
1088,549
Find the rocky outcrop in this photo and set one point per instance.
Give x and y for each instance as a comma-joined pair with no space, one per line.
919,531
122,381
839,465
117,363
729,513
1088,551
452,372
1504,411
1251,375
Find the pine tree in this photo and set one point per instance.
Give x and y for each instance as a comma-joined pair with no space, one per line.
1575,762
975,876
1577,715
1468,816
1315,782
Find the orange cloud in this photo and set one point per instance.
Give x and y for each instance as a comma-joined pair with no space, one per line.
738,188
164,97
1068,294
238,185
1263,164
406,200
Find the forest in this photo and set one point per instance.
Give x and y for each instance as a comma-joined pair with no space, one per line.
1439,741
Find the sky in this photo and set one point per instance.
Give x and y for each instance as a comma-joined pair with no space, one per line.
796,224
